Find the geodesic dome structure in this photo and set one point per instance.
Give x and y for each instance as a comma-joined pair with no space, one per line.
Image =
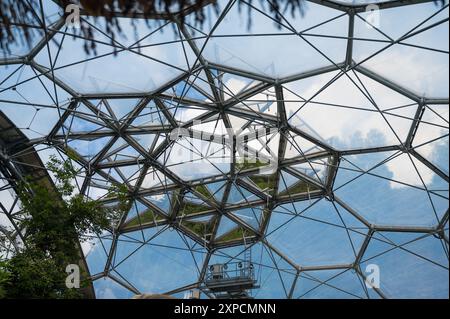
315,146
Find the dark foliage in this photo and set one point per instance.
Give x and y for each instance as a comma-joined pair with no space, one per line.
54,221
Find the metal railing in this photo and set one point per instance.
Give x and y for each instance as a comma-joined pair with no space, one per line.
230,271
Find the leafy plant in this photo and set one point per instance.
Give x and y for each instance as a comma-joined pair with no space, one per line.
146,217
299,188
202,189
265,182
55,220
188,208
235,233
200,228
248,163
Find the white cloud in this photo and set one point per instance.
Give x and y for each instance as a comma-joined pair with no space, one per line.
106,293
340,125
